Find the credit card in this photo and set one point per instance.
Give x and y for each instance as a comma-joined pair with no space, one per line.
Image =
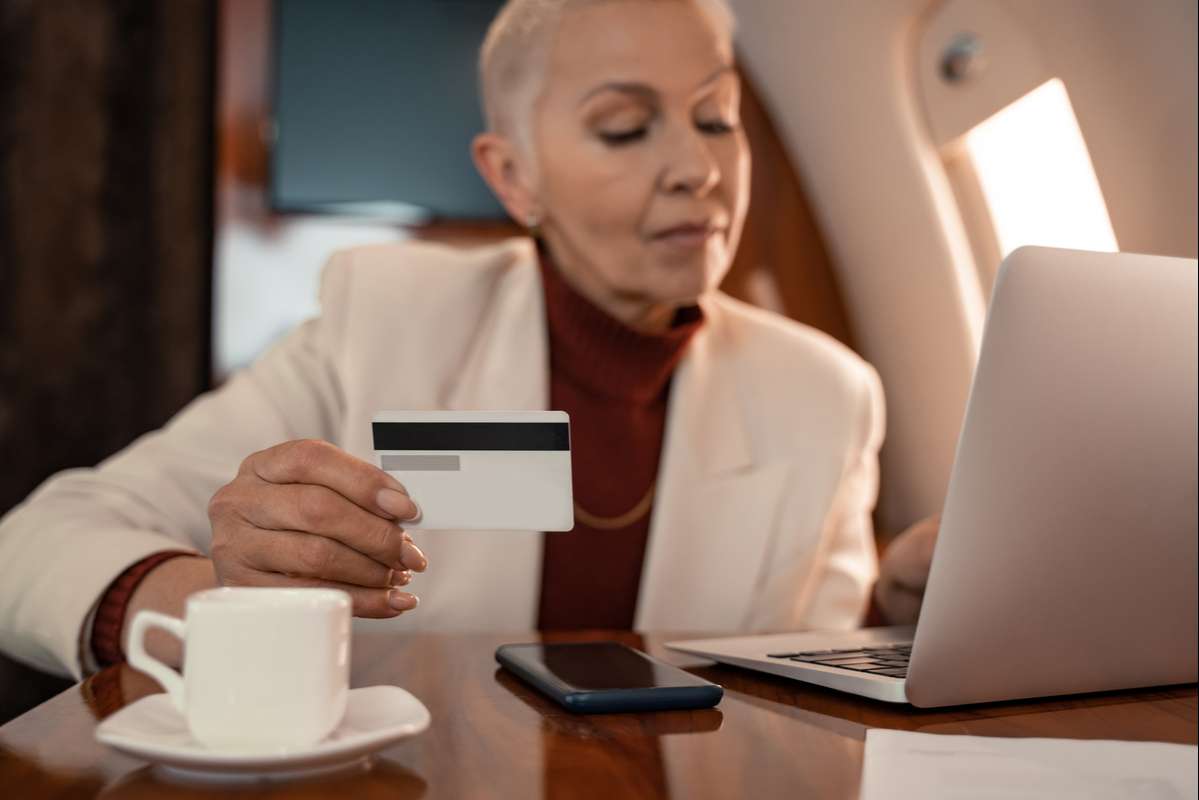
480,470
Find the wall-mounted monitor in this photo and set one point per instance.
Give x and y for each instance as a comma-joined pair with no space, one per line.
375,103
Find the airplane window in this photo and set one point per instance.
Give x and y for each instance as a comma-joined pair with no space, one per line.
1035,179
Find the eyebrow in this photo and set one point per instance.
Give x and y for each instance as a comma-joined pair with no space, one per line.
645,90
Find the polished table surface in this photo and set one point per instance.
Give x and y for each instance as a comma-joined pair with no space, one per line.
491,736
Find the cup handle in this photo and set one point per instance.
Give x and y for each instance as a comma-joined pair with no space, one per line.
171,680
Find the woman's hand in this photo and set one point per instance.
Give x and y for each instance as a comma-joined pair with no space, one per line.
903,572
305,513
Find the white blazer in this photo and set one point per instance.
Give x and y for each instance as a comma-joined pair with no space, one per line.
768,471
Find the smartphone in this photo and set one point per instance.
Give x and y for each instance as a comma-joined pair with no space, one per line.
606,677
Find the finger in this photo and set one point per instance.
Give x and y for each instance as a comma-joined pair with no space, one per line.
371,603
318,462
322,511
899,605
907,574
308,555
412,557
909,558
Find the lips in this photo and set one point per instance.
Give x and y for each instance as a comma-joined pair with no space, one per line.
688,229
687,234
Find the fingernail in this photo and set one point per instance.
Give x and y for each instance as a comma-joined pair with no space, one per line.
412,557
400,577
402,601
393,483
397,504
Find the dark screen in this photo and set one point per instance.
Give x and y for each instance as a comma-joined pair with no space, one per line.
375,105
606,666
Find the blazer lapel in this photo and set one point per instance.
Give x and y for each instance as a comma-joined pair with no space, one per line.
716,507
497,573
507,367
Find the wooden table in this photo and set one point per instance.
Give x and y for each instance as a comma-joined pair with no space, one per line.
493,737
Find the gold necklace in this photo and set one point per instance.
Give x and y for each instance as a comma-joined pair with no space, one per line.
624,520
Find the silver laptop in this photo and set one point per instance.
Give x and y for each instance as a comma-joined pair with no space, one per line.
1067,556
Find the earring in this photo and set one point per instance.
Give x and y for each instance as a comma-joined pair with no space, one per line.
533,225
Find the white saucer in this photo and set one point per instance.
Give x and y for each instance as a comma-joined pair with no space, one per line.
153,730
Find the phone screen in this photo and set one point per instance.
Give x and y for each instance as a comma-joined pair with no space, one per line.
605,665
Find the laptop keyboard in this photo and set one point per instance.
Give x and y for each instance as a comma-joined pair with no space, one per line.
890,660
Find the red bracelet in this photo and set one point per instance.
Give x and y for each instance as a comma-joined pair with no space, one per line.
110,614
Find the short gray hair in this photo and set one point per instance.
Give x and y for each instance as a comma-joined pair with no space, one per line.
512,58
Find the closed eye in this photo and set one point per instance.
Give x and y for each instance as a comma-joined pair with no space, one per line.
716,127
617,138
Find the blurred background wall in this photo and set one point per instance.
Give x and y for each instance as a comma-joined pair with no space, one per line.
105,225
106,110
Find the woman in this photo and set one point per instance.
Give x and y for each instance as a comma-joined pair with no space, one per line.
725,458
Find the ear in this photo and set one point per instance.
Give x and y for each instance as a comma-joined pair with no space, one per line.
506,172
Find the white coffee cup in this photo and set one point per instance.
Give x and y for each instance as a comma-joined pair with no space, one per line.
263,669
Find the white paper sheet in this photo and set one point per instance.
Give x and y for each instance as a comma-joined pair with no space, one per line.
899,766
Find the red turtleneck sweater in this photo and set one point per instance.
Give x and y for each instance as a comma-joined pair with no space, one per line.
614,382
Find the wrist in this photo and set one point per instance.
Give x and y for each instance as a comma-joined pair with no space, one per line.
165,589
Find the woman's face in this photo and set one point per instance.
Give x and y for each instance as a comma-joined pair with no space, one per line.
642,169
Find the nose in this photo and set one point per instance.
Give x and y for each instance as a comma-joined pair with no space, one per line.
691,168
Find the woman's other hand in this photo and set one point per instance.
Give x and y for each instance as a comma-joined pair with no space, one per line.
903,572
305,513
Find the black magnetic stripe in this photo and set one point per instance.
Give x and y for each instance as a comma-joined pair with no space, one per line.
471,435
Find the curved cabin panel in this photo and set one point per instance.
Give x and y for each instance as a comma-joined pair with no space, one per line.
910,230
